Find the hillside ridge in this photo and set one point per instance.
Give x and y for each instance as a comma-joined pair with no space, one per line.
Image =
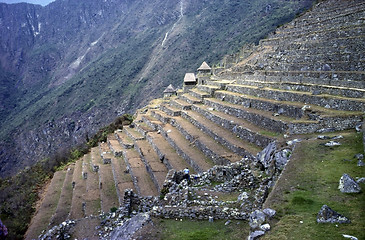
71,67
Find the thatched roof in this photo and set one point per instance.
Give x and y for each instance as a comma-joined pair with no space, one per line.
204,66
189,77
170,89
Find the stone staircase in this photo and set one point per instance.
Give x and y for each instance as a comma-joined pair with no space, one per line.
308,77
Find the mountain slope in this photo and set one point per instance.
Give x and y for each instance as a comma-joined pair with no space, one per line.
76,65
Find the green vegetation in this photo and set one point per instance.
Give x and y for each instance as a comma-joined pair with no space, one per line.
312,179
202,230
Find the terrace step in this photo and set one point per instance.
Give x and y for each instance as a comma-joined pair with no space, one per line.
294,110
320,35
219,154
350,79
79,191
198,94
92,196
306,87
180,104
333,102
133,133
327,20
220,83
123,139
115,146
171,111
190,99
143,128
166,152
108,193
140,177
208,89
192,155
64,203
276,77
221,135
233,105
48,207
122,178
155,167
349,20
238,126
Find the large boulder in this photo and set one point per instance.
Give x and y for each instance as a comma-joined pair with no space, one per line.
257,217
348,184
265,156
327,215
130,227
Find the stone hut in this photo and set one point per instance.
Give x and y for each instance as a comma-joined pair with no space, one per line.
169,91
204,73
189,81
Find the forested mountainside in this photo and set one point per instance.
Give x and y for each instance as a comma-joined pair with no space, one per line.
73,66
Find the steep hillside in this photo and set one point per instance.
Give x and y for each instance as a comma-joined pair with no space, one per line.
66,65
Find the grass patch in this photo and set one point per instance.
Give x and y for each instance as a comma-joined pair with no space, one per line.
269,133
310,181
202,230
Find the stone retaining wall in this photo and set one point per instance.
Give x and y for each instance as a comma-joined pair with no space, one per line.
333,103
241,131
221,140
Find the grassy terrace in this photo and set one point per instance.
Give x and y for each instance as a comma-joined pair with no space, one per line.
310,181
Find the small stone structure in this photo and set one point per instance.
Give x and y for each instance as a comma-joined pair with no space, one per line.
169,91
189,82
204,73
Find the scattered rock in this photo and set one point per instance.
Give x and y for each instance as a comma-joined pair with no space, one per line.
349,236
327,215
337,137
256,219
228,222
322,137
361,180
292,142
359,156
265,227
360,163
269,212
358,127
332,143
243,196
348,184
255,235
323,130
305,107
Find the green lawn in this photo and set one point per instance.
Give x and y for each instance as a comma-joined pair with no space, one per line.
202,230
311,180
